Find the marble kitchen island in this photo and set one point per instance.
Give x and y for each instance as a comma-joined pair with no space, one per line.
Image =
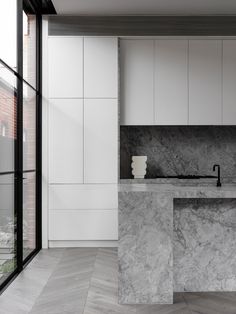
175,236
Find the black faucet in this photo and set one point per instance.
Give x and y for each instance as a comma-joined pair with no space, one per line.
218,178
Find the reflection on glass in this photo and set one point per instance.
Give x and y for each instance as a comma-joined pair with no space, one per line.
8,32
7,227
29,50
29,163
29,128
29,219
8,102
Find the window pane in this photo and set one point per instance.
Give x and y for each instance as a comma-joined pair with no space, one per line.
29,163
7,227
29,52
29,217
29,128
8,32
8,103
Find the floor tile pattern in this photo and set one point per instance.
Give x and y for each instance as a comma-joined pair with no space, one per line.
84,281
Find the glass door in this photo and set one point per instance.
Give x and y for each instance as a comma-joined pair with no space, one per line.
20,136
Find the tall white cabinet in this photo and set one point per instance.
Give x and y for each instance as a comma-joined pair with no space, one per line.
82,139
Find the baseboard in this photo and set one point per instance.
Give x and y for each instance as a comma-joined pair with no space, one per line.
57,244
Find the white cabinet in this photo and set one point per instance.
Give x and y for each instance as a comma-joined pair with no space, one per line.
100,67
82,139
229,82
65,67
178,82
66,141
205,82
83,196
86,225
137,77
100,140
171,82
83,212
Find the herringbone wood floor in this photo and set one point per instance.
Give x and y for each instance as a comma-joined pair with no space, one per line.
84,281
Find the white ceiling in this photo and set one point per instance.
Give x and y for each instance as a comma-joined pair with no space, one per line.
145,7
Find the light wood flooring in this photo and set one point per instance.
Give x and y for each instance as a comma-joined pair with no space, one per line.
84,281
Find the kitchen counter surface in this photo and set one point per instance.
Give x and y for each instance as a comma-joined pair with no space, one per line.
175,235
180,188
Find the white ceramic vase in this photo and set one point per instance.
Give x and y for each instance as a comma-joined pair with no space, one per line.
139,166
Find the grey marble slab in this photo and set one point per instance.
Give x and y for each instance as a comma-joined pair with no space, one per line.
174,150
146,240
204,245
183,190
145,249
176,181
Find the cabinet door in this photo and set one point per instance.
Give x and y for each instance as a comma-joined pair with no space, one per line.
66,141
83,196
100,140
171,82
65,66
137,71
83,225
229,82
205,80
100,67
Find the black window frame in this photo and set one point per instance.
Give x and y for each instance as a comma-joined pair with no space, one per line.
37,8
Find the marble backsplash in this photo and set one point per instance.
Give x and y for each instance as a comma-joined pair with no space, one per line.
174,150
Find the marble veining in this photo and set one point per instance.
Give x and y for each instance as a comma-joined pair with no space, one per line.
174,150
163,249
204,245
145,249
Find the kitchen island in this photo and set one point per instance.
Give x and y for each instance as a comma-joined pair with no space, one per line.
175,235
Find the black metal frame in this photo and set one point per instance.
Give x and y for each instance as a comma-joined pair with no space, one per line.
36,7
39,7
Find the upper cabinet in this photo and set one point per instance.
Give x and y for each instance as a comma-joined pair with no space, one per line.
205,82
154,82
178,81
100,67
229,81
65,67
137,82
171,82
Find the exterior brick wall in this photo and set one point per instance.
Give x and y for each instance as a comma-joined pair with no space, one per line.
8,110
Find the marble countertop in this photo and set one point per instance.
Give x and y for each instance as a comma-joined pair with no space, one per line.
180,188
